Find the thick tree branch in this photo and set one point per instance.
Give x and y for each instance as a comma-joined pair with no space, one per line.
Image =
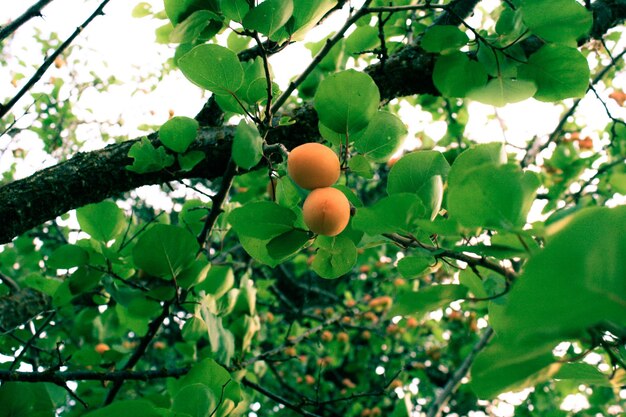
95,176
60,377
4,108
33,11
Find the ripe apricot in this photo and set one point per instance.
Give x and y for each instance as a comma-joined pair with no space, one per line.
326,211
313,165
101,348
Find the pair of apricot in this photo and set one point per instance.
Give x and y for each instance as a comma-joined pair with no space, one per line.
315,167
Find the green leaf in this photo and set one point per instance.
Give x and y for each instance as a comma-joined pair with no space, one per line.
178,133
147,158
422,173
492,196
192,215
306,15
361,166
67,256
287,195
558,71
382,137
393,214
178,10
501,91
213,67
426,299
571,284
335,257
502,368
287,243
192,27
487,153
142,9
346,101
218,282
196,400
165,250
560,21
443,39
20,399
194,329
247,145
189,160
269,16
103,221
455,75
414,266
262,220
194,274
583,373
364,38
235,9
135,408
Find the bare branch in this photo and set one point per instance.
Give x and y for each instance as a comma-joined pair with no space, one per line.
453,383
60,377
4,109
33,11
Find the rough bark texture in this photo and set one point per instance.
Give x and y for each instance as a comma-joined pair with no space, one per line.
94,176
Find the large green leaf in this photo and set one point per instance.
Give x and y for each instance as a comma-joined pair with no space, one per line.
247,145
195,400
193,26
455,74
561,21
178,10
165,250
21,399
443,38
67,256
135,408
558,71
502,90
104,221
287,243
492,196
178,133
213,67
235,9
502,367
219,281
422,173
583,373
486,153
269,16
382,137
426,299
393,214
335,257
306,14
346,101
577,281
262,220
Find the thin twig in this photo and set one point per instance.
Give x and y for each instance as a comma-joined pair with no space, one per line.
453,383
33,11
4,109
153,327
318,58
535,148
278,399
32,339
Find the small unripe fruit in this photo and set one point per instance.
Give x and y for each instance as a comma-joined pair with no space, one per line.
313,165
326,211
343,337
327,336
101,348
309,380
290,351
159,345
